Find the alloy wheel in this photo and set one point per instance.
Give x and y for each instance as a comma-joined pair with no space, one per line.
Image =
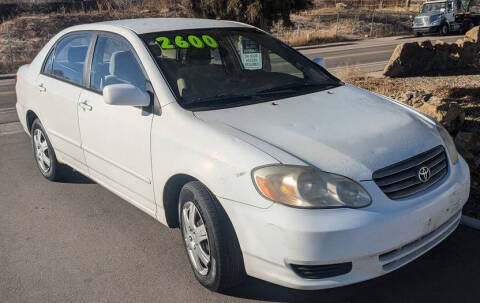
42,152
196,238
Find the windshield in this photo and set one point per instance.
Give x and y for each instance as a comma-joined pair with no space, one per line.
434,7
227,67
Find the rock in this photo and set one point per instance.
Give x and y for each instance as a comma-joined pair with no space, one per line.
451,48
473,35
408,59
469,141
415,98
421,58
468,145
450,114
407,96
427,96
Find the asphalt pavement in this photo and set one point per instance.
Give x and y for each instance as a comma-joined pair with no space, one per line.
74,241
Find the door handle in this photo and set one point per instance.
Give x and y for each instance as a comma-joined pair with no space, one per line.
85,106
42,88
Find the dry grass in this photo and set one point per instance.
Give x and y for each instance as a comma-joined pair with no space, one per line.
30,32
310,36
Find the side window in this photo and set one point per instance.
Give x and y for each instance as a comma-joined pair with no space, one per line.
70,55
47,68
114,63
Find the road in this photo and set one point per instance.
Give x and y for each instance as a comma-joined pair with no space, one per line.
368,55
77,242
74,241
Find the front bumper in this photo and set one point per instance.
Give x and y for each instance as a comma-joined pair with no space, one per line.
426,29
376,240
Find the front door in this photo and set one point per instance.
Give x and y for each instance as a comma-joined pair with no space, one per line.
116,139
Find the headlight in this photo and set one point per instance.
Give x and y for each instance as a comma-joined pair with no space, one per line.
447,139
306,187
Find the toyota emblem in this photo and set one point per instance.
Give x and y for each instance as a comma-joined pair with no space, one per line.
424,174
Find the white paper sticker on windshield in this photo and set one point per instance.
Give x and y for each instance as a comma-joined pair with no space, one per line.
251,54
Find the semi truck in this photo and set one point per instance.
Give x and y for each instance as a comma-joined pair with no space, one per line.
447,16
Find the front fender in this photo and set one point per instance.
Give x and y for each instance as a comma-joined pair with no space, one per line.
183,144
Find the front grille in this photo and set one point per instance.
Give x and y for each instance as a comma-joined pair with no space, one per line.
322,271
401,180
420,21
396,258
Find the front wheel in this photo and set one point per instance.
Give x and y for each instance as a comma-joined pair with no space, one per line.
444,30
209,238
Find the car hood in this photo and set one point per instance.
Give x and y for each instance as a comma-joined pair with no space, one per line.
345,130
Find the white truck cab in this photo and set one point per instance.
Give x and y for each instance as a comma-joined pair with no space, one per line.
446,16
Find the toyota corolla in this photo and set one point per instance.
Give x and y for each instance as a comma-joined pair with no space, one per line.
269,165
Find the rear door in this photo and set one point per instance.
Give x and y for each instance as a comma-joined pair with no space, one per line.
60,84
116,139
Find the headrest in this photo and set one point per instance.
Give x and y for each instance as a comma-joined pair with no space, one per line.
124,65
199,55
77,53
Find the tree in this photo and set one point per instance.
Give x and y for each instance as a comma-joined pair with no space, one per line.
261,13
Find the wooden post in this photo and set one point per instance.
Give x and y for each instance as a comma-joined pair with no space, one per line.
371,24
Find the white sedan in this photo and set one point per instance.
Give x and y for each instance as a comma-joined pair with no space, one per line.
270,166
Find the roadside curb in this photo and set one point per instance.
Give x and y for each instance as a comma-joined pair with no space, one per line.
470,222
7,76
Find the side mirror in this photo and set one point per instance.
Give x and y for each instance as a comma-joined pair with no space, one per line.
320,61
125,94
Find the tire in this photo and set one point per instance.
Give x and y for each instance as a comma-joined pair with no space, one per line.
444,30
418,34
225,267
44,154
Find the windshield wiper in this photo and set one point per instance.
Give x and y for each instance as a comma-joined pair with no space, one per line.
294,87
222,97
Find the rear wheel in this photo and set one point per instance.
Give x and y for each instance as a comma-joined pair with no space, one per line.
44,154
417,34
209,238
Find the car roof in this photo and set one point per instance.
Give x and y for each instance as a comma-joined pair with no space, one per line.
149,25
